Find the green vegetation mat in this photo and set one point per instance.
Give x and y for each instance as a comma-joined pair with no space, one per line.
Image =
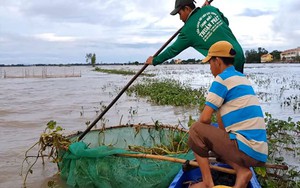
168,92
123,72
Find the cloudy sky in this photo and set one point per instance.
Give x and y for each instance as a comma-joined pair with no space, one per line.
63,31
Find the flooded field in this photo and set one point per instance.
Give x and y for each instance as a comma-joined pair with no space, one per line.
32,96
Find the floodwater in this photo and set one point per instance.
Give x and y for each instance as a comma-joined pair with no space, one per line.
32,96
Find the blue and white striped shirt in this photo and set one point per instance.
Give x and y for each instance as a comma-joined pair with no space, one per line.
232,94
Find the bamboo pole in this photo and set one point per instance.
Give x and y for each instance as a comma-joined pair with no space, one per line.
124,89
176,160
194,163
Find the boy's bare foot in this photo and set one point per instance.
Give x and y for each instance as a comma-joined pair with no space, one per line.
200,185
195,185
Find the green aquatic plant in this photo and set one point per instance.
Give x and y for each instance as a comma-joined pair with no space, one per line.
49,144
123,72
283,140
168,92
291,101
172,143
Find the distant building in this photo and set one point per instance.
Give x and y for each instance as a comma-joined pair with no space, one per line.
291,55
266,58
178,61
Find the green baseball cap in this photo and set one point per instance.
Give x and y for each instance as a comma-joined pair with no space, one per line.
179,4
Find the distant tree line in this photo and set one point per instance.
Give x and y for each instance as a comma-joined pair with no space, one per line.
253,56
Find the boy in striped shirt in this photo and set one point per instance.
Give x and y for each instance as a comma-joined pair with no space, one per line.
240,140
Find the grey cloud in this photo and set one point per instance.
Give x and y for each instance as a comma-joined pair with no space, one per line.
105,27
286,22
291,5
254,12
73,11
107,13
138,45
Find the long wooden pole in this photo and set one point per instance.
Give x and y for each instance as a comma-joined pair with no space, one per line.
124,89
194,163
130,82
176,160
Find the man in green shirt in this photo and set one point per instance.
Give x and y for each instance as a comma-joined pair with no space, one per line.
202,28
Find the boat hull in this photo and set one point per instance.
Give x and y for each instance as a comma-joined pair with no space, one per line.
185,178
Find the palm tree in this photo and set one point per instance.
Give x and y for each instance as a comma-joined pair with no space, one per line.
91,59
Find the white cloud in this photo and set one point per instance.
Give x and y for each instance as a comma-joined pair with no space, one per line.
51,37
122,31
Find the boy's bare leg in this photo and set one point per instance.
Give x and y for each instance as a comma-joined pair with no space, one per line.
207,181
243,175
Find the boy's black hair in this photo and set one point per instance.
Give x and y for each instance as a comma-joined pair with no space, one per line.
226,60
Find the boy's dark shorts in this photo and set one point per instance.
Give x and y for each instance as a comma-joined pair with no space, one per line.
204,138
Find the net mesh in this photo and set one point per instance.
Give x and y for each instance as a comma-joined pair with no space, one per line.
94,162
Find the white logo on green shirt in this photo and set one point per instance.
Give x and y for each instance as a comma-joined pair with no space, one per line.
208,24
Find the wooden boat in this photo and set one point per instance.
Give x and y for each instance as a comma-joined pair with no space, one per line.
132,156
185,178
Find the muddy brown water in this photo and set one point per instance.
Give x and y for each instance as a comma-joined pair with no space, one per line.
74,95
